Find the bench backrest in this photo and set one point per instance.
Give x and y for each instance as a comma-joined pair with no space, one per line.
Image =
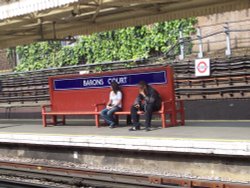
73,93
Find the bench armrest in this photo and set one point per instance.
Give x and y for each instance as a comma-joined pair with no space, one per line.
164,104
168,101
44,107
180,104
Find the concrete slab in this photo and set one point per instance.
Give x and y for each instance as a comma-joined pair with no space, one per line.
220,137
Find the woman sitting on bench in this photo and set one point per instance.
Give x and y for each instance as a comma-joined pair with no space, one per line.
114,104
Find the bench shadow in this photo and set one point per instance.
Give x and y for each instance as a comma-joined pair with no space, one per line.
122,126
72,125
8,126
153,128
157,125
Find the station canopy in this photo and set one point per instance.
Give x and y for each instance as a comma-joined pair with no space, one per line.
26,21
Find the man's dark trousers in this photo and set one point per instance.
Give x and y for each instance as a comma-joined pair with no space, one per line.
148,109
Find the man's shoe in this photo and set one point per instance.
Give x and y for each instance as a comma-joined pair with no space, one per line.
147,129
112,126
132,129
135,128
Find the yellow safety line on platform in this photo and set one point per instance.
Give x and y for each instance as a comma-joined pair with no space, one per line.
133,137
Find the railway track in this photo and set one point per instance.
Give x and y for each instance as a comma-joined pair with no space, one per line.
4,183
96,179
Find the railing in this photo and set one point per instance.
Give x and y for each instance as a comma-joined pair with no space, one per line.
227,29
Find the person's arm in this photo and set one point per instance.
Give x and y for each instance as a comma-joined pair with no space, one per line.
109,102
138,100
152,96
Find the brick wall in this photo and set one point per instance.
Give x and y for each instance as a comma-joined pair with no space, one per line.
218,42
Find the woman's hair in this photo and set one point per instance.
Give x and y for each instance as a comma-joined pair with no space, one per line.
115,87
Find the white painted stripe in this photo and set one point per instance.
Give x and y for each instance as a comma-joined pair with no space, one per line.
240,148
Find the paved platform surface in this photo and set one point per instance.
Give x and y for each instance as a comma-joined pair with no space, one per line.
214,137
229,130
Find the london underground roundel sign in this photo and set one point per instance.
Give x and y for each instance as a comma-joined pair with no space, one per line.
202,67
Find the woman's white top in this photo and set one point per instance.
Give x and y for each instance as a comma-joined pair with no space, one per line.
115,98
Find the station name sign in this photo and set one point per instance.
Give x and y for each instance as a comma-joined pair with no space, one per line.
159,77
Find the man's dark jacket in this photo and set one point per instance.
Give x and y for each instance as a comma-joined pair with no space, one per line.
152,97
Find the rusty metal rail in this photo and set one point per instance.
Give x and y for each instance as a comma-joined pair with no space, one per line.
105,178
17,184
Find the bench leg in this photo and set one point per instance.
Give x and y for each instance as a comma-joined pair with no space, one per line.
163,120
182,113
182,117
173,118
8,112
97,121
117,119
54,120
129,121
44,120
63,120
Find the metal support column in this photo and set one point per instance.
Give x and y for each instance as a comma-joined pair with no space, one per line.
199,36
228,43
181,40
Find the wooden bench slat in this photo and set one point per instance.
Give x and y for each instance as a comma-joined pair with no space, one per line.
94,113
73,113
140,112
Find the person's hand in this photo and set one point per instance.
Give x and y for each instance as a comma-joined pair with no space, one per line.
137,105
108,107
142,92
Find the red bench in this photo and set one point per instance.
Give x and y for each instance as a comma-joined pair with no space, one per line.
87,94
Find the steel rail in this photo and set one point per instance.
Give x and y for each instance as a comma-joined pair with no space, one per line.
20,184
79,176
109,179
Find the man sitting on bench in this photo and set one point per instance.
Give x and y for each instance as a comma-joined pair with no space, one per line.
148,100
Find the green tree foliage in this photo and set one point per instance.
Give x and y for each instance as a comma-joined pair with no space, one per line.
122,44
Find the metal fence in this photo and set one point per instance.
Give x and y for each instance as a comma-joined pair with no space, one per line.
221,33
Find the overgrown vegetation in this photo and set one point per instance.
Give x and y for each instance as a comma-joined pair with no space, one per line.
121,44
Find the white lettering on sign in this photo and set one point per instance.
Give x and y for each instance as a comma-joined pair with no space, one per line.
93,82
158,77
119,80
202,67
